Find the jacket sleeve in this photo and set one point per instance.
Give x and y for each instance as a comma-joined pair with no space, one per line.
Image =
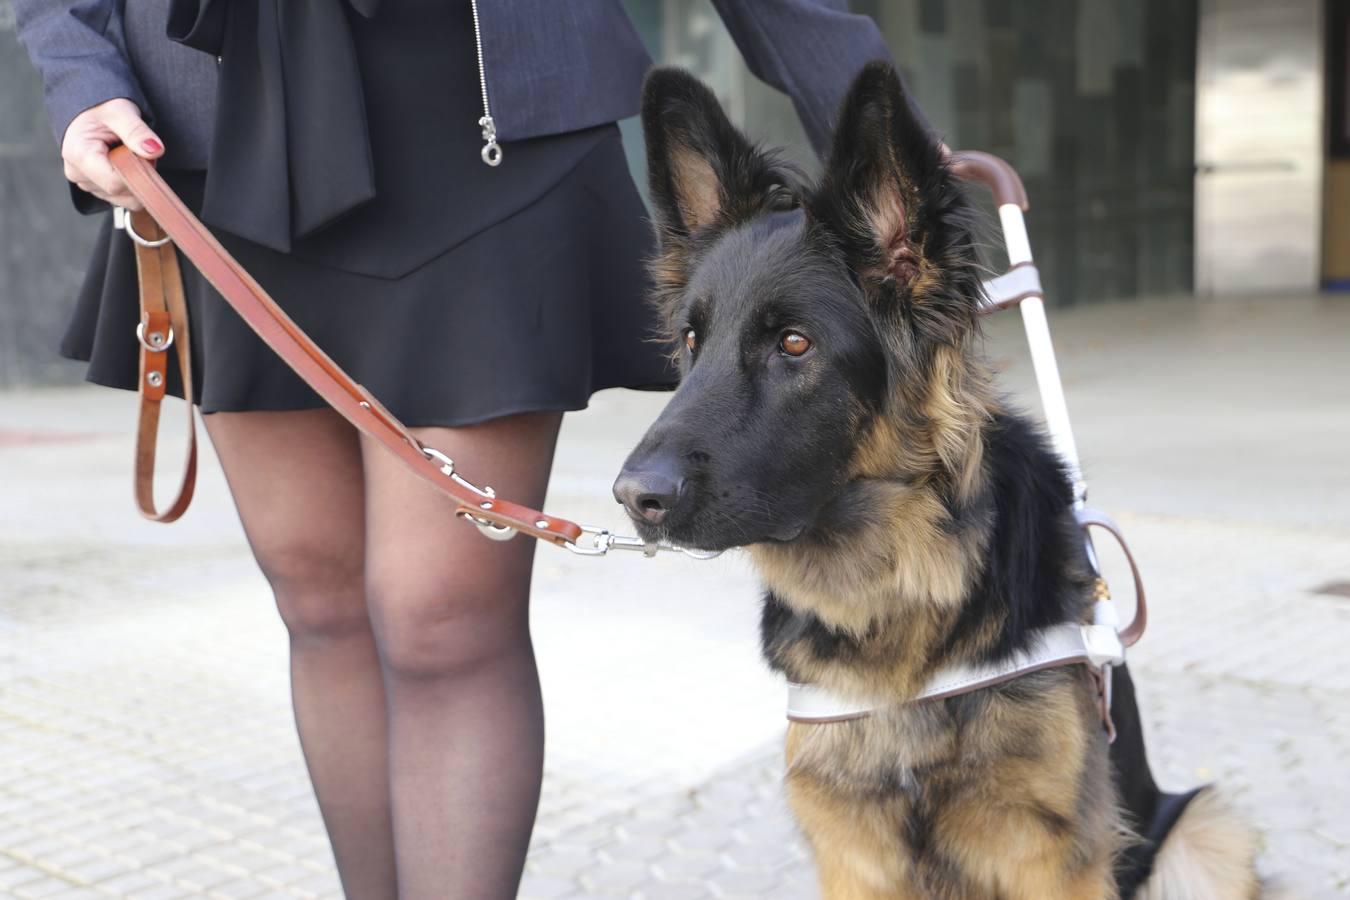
810,50
77,46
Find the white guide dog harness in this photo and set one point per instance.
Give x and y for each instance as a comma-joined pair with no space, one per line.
1099,646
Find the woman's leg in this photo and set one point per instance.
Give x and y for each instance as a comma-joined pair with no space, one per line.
451,617
297,482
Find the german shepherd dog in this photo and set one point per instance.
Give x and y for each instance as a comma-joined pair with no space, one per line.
835,418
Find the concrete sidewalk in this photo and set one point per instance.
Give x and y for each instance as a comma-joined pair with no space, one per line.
146,744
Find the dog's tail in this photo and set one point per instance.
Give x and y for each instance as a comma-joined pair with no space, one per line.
1210,854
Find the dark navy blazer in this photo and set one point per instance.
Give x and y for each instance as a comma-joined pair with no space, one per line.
552,65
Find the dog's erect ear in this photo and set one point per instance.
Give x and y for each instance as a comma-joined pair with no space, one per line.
702,171
885,172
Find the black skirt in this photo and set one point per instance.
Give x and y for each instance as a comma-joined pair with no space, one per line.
458,294
534,313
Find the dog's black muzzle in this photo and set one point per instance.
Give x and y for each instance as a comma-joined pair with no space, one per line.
650,489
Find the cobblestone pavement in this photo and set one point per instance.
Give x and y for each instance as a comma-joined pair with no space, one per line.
146,744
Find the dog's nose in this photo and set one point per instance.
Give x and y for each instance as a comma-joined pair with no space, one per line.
649,494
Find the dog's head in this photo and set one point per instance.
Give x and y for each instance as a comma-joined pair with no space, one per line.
803,315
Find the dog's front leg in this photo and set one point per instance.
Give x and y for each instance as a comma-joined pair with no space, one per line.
857,852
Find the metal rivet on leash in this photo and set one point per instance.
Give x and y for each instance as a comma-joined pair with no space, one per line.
155,379
155,341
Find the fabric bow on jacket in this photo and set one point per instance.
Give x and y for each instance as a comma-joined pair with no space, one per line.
290,152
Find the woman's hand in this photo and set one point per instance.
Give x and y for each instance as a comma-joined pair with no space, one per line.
85,149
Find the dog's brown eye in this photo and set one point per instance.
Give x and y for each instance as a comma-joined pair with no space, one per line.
690,340
794,344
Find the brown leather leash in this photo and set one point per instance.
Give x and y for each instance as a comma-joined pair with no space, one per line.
165,223
163,324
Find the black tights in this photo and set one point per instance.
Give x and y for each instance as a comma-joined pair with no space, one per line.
412,673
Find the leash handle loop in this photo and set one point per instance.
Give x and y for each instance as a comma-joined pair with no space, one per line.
163,324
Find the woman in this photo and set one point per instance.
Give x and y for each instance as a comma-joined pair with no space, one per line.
436,191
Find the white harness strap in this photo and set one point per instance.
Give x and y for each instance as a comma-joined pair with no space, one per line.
1094,645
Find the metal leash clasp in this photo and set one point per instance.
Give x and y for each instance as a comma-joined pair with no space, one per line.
489,529
599,541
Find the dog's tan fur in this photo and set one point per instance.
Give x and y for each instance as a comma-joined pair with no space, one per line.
1208,853
1014,803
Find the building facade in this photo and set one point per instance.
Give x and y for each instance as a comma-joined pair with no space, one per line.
1168,146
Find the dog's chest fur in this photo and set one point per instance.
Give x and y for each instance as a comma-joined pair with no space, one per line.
1001,793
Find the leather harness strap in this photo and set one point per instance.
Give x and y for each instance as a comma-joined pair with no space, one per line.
164,324
1094,518
280,333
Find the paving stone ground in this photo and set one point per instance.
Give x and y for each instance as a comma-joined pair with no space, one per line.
146,744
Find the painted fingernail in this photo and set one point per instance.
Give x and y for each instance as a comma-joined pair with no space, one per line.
150,145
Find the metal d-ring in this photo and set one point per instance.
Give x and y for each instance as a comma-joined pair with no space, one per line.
122,220
490,530
164,342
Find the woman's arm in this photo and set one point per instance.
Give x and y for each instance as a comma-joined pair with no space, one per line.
77,47
93,100
810,50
